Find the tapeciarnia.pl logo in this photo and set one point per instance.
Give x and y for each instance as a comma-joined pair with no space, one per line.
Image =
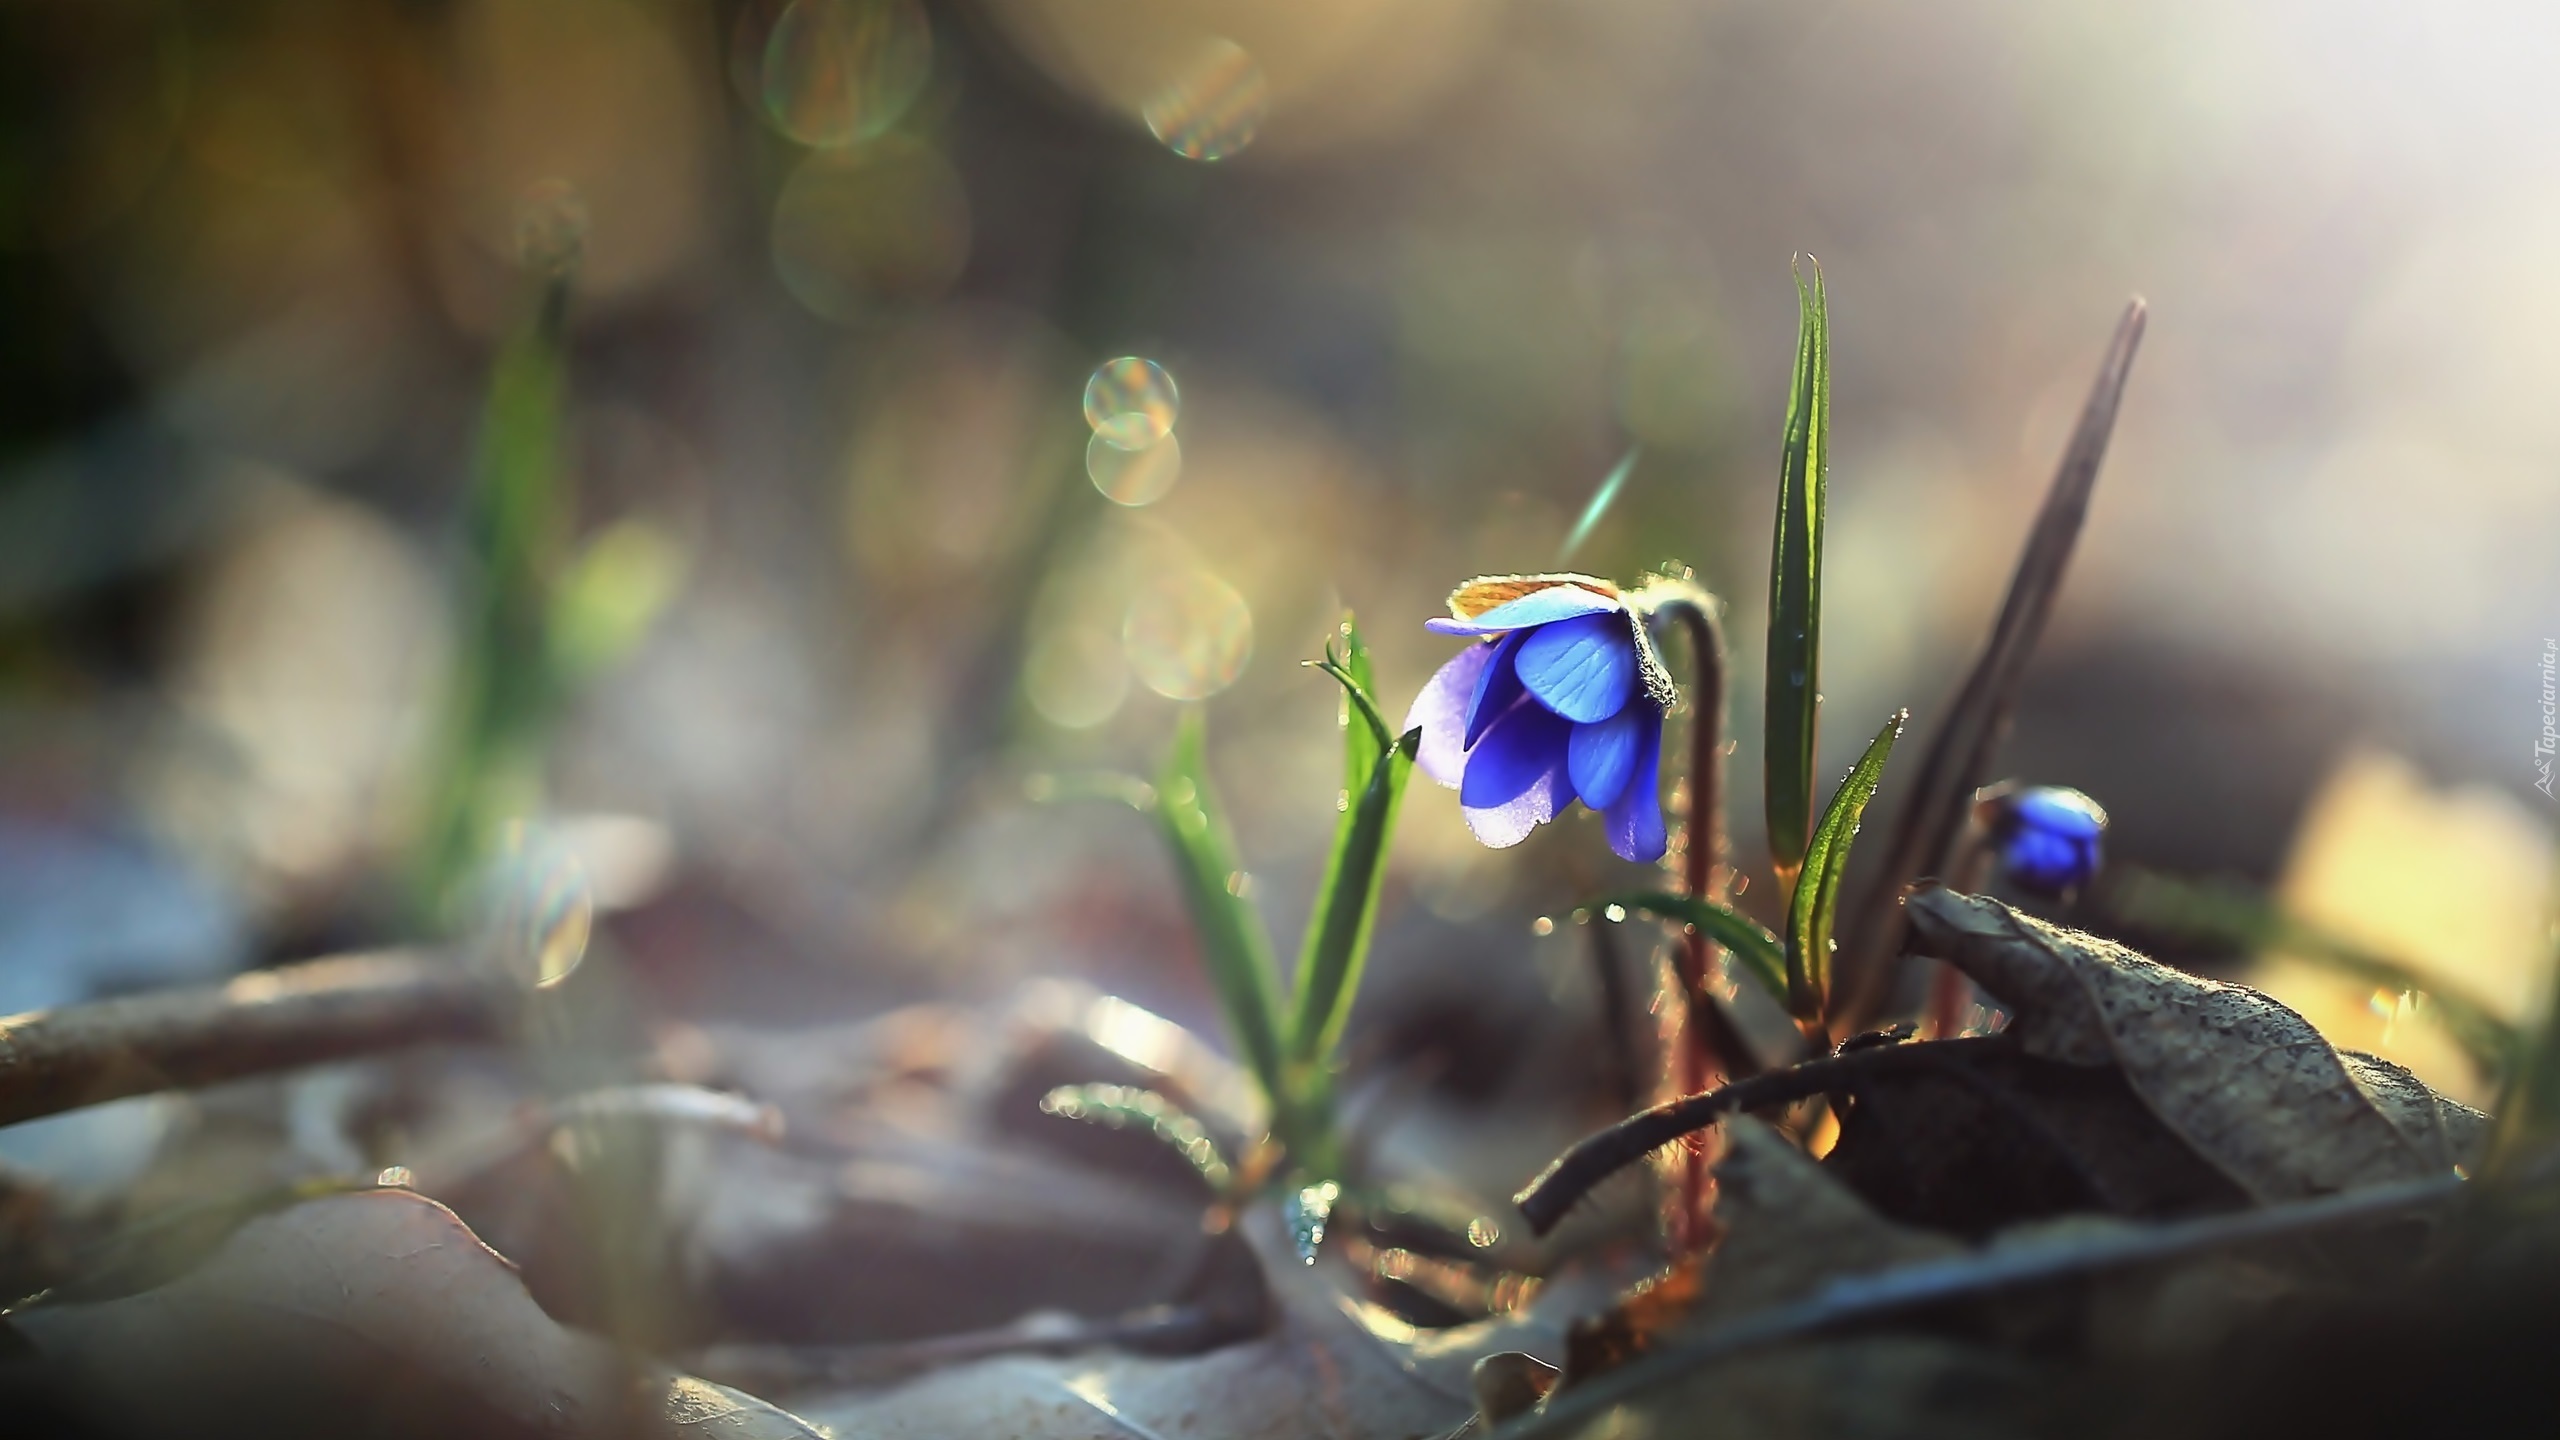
2549,741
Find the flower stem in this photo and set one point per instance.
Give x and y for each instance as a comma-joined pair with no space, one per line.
1705,1044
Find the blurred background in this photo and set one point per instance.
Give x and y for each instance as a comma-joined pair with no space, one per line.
888,533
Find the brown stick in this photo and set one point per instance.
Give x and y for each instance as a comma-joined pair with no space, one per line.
1960,756
296,1015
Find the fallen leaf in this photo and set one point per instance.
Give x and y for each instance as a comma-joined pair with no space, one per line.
2246,1083
375,1314
1331,1364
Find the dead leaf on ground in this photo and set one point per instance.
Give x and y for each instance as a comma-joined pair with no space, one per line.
376,1315
1331,1364
2246,1083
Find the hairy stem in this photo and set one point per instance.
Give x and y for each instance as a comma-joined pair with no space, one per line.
1596,1157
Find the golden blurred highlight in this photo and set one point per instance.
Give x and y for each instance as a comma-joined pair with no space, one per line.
2458,883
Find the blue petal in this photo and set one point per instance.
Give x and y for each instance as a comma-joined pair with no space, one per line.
1634,819
1497,688
1440,713
1516,778
1602,756
1584,668
2058,811
1539,607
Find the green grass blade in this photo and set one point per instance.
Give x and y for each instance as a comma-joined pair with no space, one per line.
1959,757
1795,585
2232,915
1365,733
1601,500
1758,951
504,684
1233,946
1346,909
1826,860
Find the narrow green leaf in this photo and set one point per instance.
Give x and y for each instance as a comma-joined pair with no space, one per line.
1346,910
2229,914
1958,759
1367,739
505,684
1795,584
1127,1107
1601,500
1233,946
1826,860
1757,949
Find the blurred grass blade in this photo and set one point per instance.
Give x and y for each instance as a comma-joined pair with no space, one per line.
1233,946
1127,1107
1758,951
504,684
2232,915
1346,907
1826,860
1960,755
1601,500
1795,584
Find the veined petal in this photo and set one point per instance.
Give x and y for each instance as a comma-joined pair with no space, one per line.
1441,710
1583,668
1516,778
1634,819
1497,689
1601,757
1542,607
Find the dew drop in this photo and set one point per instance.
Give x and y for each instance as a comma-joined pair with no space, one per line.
1543,925
1133,477
1614,913
838,71
1214,108
395,1177
1131,402
1483,1233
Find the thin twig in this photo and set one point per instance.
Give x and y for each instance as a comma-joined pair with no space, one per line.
280,1019
1961,753
1596,1157
1858,1299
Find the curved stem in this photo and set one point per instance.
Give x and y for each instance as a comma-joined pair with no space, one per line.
1706,1044
1596,1157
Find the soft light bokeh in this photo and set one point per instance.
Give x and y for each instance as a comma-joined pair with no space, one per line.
1421,272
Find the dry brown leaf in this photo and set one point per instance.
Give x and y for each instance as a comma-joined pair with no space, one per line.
1330,1365
1791,1227
2246,1083
374,1314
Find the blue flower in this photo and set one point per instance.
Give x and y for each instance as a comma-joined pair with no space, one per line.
2048,838
1560,700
